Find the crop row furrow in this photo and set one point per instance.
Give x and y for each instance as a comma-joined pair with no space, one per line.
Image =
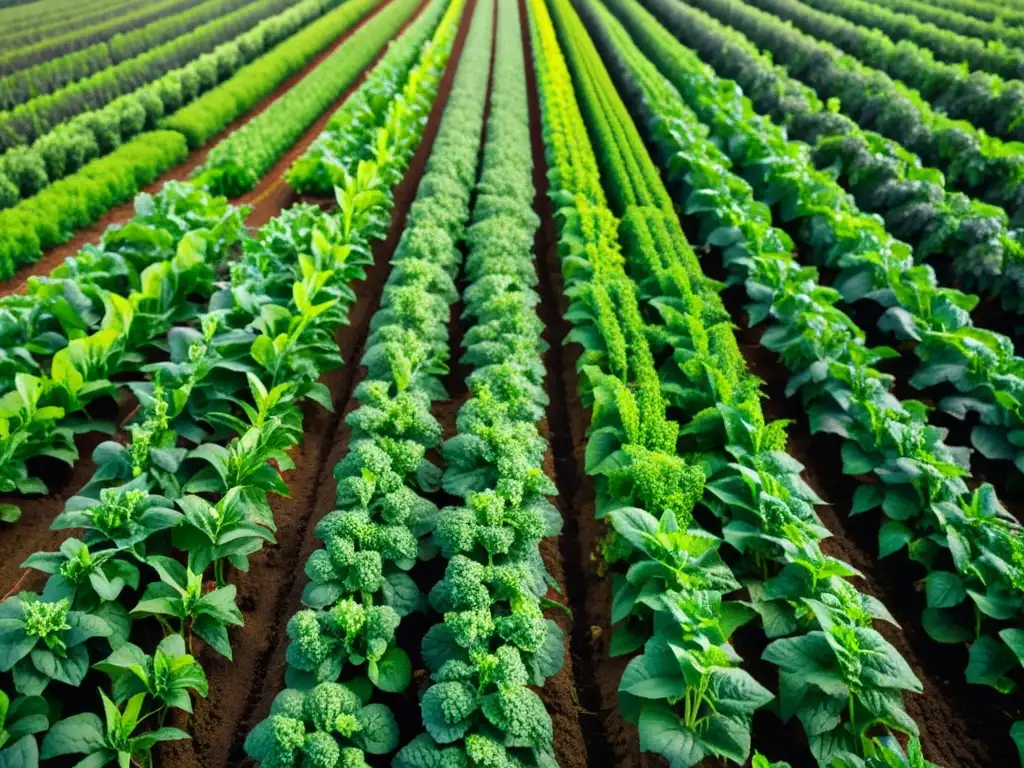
984,99
362,585
25,79
40,324
972,161
723,458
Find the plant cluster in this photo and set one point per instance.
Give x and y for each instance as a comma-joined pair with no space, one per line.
728,459
972,161
205,117
347,137
643,487
39,115
984,99
236,164
58,20
980,56
54,215
961,23
982,9
100,314
908,471
230,388
360,589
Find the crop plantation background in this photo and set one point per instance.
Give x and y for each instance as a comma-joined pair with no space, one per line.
511,383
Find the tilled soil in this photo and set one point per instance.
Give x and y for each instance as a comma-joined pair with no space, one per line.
963,726
269,197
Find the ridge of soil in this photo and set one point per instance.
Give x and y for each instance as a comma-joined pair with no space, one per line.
241,691
263,206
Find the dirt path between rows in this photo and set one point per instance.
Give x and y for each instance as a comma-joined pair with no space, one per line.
242,690
270,192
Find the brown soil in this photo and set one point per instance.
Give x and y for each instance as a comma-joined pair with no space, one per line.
241,691
270,192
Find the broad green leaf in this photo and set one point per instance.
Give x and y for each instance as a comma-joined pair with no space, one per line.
944,590
392,672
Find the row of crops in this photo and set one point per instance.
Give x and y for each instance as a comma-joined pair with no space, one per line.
784,239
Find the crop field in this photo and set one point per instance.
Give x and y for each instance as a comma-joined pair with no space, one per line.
511,383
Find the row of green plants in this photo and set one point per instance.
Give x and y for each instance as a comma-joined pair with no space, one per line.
95,317
236,372
236,164
980,56
662,344
31,48
983,9
985,100
61,318
58,317
61,151
961,23
490,639
53,71
975,372
966,543
348,639
972,161
205,117
347,134
28,25
55,214
238,369
27,122
52,216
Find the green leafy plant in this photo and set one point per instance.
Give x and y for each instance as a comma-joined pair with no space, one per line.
167,676
180,594
44,642
115,740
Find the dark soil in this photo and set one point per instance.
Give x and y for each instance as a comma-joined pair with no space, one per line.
270,196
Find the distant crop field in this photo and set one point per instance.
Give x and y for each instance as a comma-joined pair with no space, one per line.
511,383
